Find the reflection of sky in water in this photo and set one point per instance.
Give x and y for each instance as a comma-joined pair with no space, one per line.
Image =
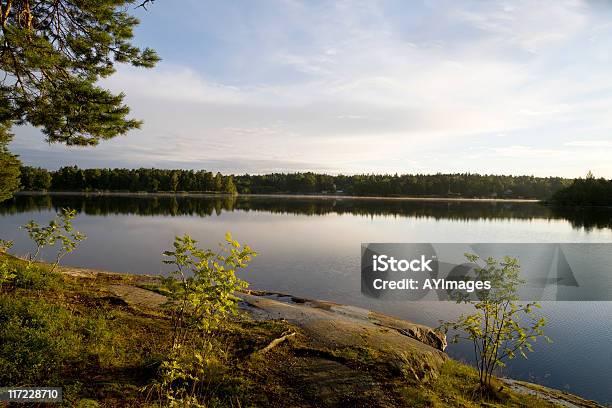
318,256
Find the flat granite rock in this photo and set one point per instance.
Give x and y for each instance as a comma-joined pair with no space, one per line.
135,296
335,327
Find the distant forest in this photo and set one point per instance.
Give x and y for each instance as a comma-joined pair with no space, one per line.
417,185
129,180
589,191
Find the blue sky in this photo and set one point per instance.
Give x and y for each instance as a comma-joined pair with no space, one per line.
521,87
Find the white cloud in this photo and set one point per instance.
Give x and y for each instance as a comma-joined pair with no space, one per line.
531,25
526,152
172,84
603,144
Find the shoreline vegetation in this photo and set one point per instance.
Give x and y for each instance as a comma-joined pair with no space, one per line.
585,192
272,195
556,191
455,185
107,332
460,187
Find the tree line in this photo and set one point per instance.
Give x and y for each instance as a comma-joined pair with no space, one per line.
418,185
72,178
467,185
589,191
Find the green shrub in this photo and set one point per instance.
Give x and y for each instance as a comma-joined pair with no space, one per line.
17,273
201,292
199,375
38,341
7,274
500,327
201,288
34,276
7,269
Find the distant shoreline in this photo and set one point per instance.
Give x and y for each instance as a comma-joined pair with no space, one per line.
289,196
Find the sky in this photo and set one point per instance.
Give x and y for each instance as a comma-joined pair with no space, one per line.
496,87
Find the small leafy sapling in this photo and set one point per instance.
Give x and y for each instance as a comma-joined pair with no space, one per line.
501,326
201,295
60,230
203,283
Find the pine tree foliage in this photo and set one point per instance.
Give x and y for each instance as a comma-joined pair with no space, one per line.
53,53
9,166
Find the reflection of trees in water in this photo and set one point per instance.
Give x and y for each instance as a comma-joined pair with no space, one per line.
585,217
115,205
207,206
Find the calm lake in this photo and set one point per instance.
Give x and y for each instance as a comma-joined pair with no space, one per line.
311,247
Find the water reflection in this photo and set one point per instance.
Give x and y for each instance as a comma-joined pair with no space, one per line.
587,218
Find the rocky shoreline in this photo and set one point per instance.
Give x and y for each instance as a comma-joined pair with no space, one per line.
324,336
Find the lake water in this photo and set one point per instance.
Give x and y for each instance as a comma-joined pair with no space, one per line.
310,247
